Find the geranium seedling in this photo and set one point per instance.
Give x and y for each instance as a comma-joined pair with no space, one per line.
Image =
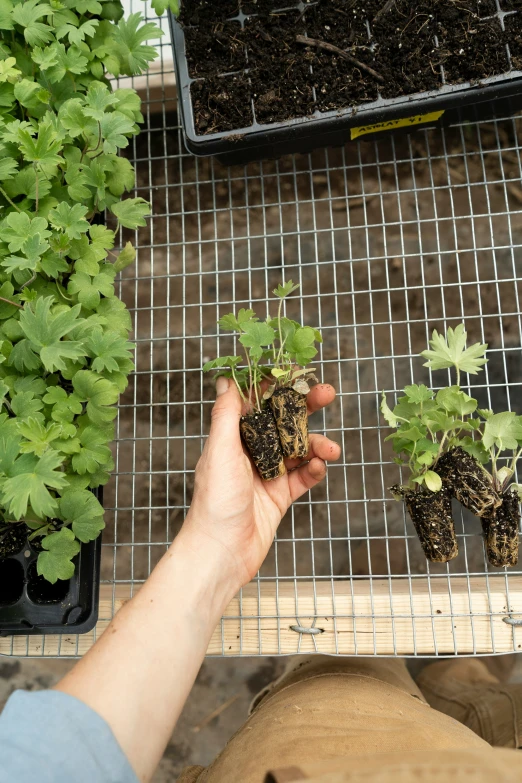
453,449
272,380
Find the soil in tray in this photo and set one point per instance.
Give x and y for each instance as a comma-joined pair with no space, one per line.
12,540
513,25
221,52
413,47
221,104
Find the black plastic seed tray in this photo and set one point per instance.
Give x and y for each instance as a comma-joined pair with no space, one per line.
31,605
254,138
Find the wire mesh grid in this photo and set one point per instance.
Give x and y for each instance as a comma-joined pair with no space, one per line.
387,240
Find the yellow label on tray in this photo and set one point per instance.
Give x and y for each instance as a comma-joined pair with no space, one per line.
404,122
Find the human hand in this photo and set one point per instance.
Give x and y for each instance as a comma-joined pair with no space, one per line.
233,509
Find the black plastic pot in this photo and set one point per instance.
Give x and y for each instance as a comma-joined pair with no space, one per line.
451,103
31,605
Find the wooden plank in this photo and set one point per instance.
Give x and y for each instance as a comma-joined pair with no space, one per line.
396,617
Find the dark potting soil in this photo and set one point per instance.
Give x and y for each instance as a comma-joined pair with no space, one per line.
222,52
41,591
291,418
513,24
432,518
468,481
414,47
501,530
259,433
12,540
222,103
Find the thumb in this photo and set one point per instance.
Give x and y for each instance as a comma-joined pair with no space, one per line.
226,413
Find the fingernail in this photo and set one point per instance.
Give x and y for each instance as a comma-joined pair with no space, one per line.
221,386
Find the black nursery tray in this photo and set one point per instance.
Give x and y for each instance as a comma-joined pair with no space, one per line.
31,605
238,101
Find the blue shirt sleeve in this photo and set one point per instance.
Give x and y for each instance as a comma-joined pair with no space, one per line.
51,737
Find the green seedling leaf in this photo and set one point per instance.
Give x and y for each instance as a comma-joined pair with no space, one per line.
475,448
502,431
131,212
301,345
455,401
125,258
285,289
98,393
93,451
129,36
83,512
431,479
418,394
503,475
450,351
28,483
222,361
70,219
388,414
56,561
256,335
44,330
38,436
485,413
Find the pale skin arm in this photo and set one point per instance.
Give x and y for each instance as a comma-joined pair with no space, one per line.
140,672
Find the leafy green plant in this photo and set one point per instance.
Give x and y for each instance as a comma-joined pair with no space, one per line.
64,349
277,349
431,424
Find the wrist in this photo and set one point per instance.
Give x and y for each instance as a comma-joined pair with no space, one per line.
206,566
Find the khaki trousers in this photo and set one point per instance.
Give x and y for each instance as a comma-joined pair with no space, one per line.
331,720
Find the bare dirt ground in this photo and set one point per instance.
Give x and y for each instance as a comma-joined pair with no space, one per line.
388,241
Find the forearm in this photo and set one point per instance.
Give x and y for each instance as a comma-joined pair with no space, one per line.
140,672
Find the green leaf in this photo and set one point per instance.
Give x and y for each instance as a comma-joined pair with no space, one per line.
44,148
25,405
29,483
108,350
89,288
502,431
160,6
27,14
23,357
301,345
131,212
255,335
8,72
433,481
18,228
129,35
83,511
74,118
284,289
222,361
70,219
475,448
8,167
418,394
93,452
45,329
389,416
56,561
99,394
125,258
450,351
455,401
116,315
38,436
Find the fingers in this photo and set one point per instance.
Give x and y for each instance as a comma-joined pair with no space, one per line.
320,446
224,428
320,395
304,478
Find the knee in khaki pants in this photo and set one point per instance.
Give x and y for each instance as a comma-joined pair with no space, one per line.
331,708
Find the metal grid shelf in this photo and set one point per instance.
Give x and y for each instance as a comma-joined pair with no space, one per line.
388,240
